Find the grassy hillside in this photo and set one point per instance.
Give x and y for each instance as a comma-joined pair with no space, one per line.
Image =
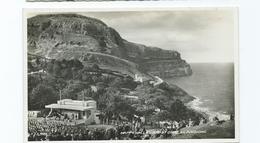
68,36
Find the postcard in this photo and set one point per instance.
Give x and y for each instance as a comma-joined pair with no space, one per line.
143,75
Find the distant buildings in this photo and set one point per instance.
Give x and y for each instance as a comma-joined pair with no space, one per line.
156,81
93,88
138,78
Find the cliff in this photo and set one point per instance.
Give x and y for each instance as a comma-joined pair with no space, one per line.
69,36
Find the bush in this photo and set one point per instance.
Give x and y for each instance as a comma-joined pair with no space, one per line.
41,95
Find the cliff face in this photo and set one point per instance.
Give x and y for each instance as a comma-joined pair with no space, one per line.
68,36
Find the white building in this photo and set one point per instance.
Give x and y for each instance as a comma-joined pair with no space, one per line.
138,78
157,81
84,111
33,113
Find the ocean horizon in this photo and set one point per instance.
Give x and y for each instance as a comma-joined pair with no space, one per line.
212,84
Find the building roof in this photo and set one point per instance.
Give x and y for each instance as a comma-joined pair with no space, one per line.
68,107
73,105
131,97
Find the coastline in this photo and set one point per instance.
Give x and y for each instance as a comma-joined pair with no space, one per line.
206,112
213,92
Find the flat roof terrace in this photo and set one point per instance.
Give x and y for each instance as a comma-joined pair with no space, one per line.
70,104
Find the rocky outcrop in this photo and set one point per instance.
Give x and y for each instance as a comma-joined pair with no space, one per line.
68,36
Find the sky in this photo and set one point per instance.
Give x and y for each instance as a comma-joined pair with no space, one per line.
199,35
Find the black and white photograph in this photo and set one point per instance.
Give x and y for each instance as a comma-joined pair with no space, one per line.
167,74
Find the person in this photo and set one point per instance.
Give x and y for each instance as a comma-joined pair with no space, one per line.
66,117
147,136
190,123
175,125
72,116
231,117
131,136
68,137
202,121
30,137
215,119
144,130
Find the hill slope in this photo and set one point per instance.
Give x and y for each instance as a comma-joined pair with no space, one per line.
68,36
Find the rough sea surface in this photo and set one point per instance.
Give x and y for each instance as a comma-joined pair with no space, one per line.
213,86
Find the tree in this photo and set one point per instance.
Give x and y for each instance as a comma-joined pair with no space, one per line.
33,81
74,90
117,82
128,82
67,73
95,67
143,110
56,69
178,111
50,66
86,94
120,106
161,116
76,64
41,96
56,83
45,25
160,103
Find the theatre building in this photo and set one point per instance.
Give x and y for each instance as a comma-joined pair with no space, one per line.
76,110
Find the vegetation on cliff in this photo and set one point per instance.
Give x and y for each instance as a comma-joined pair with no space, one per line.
110,89
67,36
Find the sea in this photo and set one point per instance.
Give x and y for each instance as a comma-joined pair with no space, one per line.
212,84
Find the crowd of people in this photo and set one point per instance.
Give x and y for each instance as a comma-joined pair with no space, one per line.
41,130
53,130
57,130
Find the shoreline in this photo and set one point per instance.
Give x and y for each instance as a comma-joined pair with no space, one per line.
206,112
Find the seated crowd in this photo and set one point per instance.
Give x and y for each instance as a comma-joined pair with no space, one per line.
53,130
59,131
40,130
